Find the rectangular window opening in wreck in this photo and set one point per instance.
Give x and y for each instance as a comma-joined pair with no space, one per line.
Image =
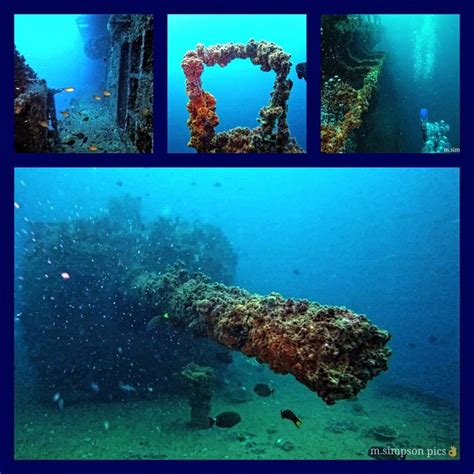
144,141
133,91
148,52
124,72
136,55
131,128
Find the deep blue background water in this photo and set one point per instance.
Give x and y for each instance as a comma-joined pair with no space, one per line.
384,242
241,89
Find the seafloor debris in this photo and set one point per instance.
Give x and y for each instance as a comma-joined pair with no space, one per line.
200,383
350,71
272,135
383,433
331,350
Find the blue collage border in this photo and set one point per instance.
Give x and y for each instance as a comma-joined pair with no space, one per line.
160,158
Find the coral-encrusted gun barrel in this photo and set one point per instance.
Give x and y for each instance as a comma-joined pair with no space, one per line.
331,350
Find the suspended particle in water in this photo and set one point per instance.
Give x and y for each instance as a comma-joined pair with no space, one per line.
65,276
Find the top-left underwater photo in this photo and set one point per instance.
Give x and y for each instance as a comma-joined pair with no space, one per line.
83,83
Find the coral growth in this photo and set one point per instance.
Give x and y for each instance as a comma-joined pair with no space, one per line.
200,382
34,111
350,74
272,135
331,350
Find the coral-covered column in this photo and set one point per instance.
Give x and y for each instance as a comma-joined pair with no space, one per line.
331,350
200,382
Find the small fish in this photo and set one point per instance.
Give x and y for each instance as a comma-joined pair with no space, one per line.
193,183
301,71
106,425
17,206
56,397
153,323
263,390
107,93
289,415
70,142
226,419
92,148
224,357
432,339
296,272
95,387
68,89
65,113
166,316
65,276
85,140
85,119
253,362
97,97
43,123
119,183
79,135
127,388
217,184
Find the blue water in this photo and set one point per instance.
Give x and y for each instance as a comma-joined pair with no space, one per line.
53,47
424,58
383,242
241,89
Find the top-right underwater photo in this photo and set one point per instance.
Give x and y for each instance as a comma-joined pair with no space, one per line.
390,83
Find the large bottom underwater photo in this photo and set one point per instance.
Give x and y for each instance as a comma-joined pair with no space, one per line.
236,314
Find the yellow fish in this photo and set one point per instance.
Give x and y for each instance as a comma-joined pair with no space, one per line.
65,114
97,97
107,94
92,148
68,89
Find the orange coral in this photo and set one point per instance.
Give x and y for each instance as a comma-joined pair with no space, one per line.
202,120
272,135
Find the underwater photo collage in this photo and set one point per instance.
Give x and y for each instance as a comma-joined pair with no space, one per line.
95,93
205,312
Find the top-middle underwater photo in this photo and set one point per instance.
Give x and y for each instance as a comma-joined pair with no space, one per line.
237,83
